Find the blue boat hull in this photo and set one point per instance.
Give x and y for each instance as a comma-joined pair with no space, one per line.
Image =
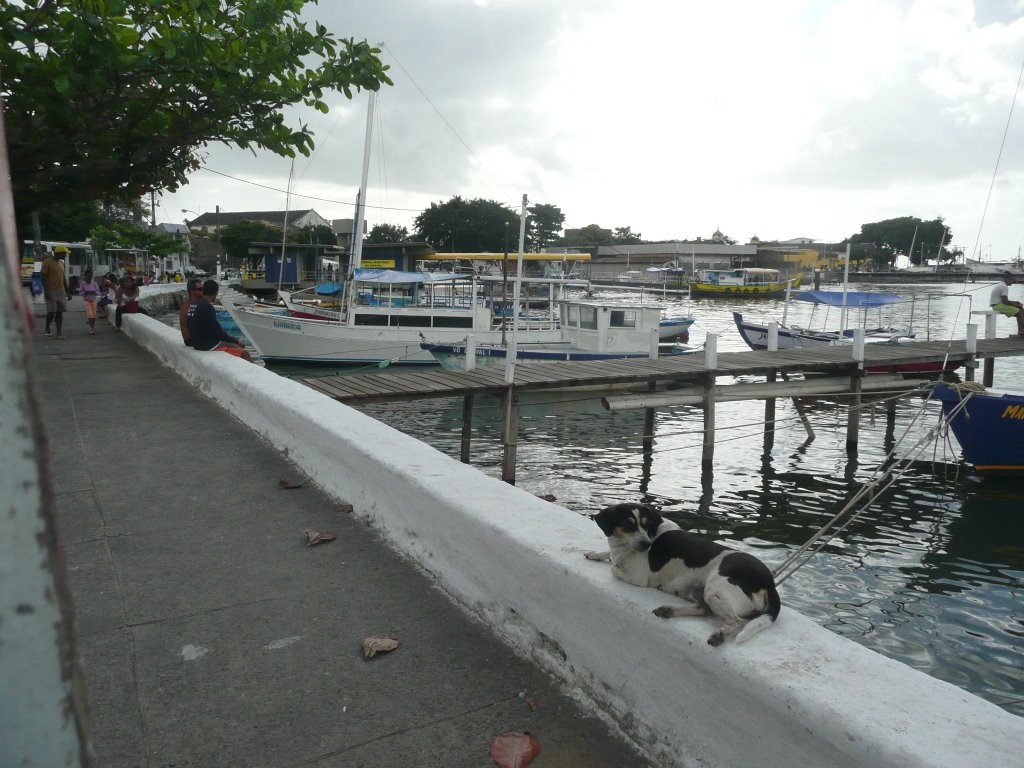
989,427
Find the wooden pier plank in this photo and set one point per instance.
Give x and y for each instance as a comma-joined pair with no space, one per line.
436,382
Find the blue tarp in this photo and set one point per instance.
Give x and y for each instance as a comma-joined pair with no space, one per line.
326,289
394,276
858,299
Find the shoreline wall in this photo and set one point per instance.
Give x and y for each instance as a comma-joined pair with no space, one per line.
794,695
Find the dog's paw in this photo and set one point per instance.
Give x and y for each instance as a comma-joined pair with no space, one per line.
601,556
716,639
664,612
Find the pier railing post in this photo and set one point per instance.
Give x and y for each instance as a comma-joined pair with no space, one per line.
990,362
972,349
470,352
653,349
710,364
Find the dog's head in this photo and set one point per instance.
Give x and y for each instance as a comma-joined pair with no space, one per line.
634,525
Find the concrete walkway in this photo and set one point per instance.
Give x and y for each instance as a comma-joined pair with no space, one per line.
210,635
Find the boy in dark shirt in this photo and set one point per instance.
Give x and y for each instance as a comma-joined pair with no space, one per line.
204,330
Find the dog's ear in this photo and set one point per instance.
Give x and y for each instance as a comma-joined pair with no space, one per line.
650,518
606,520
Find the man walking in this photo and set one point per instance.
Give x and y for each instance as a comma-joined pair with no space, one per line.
55,289
1000,302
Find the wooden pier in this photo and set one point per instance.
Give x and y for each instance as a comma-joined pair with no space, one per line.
646,375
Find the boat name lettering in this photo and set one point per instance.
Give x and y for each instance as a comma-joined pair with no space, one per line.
286,324
1014,412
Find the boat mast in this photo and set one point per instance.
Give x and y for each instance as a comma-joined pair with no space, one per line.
284,229
846,287
510,355
356,256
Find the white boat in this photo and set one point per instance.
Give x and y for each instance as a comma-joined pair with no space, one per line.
387,311
793,337
589,331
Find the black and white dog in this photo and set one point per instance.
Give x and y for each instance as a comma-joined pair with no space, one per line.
647,550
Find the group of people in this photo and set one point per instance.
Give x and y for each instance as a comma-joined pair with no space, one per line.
200,328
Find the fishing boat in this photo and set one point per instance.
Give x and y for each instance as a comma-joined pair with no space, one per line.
795,337
675,328
321,302
988,424
385,312
748,282
588,331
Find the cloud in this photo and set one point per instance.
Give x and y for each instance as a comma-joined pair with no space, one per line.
778,119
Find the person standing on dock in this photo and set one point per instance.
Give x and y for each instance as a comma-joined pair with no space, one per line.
1000,302
204,329
55,289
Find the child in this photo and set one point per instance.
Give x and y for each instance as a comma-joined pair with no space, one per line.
90,292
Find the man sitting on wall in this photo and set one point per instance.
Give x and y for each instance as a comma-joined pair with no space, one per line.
1000,302
205,331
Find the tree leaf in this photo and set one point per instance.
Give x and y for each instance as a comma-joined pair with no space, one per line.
514,750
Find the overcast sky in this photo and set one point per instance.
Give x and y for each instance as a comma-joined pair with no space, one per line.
771,119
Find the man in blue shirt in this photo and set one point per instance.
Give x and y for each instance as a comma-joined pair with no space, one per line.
204,330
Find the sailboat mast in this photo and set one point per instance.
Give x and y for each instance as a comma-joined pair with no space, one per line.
284,229
510,354
356,259
846,287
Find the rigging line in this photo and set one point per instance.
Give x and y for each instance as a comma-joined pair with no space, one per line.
299,194
889,475
999,157
445,121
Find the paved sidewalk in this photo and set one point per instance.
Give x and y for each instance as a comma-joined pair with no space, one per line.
212,636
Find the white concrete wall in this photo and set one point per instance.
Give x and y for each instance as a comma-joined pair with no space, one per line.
796,695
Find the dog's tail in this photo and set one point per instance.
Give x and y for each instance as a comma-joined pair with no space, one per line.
763,621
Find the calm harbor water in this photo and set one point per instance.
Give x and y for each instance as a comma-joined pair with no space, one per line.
931,574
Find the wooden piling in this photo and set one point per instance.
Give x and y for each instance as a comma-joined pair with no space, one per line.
509,434
467,428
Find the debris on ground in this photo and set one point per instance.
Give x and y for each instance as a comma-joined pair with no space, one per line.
514,750
316,537
528,700
374,645
286,485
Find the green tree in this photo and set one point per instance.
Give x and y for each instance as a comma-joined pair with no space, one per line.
893,238
109,99
625,236
121,235
467,226
543,226
319,233
236,238
388,233
592,234
74,221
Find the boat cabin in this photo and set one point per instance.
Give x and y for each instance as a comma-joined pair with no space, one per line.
609,328
740,277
